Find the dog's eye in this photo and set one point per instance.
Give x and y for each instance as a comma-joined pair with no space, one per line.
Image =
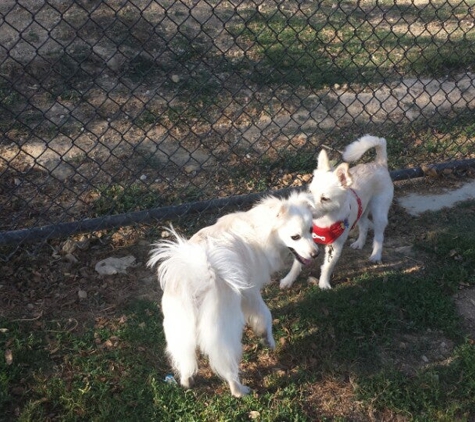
296,237
324,198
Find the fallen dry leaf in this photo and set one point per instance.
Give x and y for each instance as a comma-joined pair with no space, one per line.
254,414
8,356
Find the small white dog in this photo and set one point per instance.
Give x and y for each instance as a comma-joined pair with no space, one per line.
344,198
212,283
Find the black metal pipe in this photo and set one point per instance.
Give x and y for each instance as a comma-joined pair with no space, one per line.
412,173
127,219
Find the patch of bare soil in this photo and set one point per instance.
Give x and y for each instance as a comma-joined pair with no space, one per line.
61,280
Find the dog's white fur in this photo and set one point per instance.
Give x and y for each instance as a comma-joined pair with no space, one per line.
212,283
334,202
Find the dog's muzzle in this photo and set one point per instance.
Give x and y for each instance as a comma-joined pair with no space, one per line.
302,260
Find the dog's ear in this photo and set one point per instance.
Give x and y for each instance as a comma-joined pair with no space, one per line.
283,209
323,161
307,200
343,175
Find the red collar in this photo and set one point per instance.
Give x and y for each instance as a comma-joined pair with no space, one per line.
327,235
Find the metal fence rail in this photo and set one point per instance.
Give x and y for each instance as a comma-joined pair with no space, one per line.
120,111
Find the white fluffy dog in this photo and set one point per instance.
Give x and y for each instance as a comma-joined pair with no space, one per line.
346,197
212,283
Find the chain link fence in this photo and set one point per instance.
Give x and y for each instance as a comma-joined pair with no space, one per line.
117,112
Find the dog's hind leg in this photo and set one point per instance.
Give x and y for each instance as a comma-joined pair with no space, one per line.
380,209
220,331
180,333
258,316
363,227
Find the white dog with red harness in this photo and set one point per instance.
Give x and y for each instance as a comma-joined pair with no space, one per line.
344,198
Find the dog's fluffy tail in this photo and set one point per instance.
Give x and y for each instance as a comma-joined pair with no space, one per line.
194,266
179,261
355,150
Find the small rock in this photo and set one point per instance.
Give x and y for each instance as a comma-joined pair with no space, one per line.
404,250
425,358
113,265
143,177
71,258
68,247
148,280
82,294
191,168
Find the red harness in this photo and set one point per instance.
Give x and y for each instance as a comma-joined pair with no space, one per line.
327,235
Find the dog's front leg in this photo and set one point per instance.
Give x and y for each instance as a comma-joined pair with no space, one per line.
332,254
289,279
258,316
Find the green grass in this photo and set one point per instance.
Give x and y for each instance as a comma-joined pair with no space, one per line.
330,45
444,392
116,199
113,368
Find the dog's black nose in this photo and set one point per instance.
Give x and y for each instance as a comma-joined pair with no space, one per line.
315,254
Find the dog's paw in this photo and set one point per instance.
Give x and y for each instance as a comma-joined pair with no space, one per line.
268,341
286,283
375,259
239,390
357,245
324,285
186,382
